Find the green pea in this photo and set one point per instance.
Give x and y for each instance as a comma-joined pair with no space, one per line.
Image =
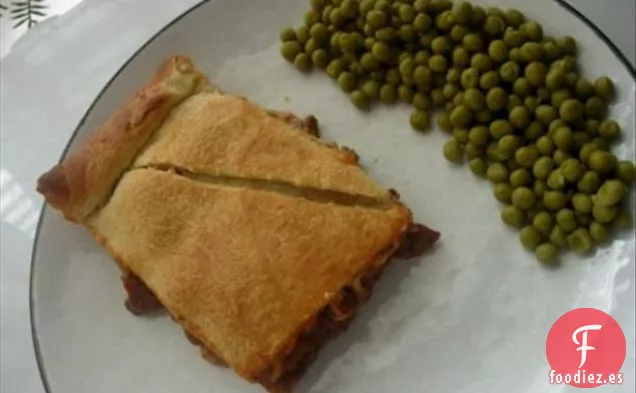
514,38
566,220
359,99
526,156
460,56
535,72
514,18
371,89
376,19
484,116
610,193
492,152
610,130
584,88
545,146
458,32
444,21
470,78
513,102
437,95
443,121
582,203
473,151
604,87
422,5
312,17
519,117
625,172
347,82
598,232
420,120
523,198
422,101
473,43
405,93
556,181
290,50
580,241
381,51
422,23
595,107
532,30
335,68
460,135
302,62
560,156
531,51
488,80
571,110
520,177
589,182
461,116
521,86
454,75
530,237
499,128
507,145
479,135
554,200
542,168
509,71
494,26
572,169
462,12
547,253
622,220
453,151
438,63
543,222
604,214
558,237
288,34
478,166
551,51
388,93
496,99
563,138
513,216
320,58
474,99
602,162
559,96
497,173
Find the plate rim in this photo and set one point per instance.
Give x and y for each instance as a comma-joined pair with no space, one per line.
631,70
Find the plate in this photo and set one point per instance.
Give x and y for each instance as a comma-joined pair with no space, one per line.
472,316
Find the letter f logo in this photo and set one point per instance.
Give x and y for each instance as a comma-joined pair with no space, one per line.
583,344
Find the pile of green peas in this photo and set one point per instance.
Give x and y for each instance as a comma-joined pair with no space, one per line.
511,98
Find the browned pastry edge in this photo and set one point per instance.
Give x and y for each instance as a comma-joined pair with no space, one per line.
78,185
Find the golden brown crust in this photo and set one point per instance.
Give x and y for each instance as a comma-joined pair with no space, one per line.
79,184
224,261
245,214
227,135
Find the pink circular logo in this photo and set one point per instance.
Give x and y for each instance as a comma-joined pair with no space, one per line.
586,348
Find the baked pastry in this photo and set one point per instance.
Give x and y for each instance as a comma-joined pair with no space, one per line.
256,236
